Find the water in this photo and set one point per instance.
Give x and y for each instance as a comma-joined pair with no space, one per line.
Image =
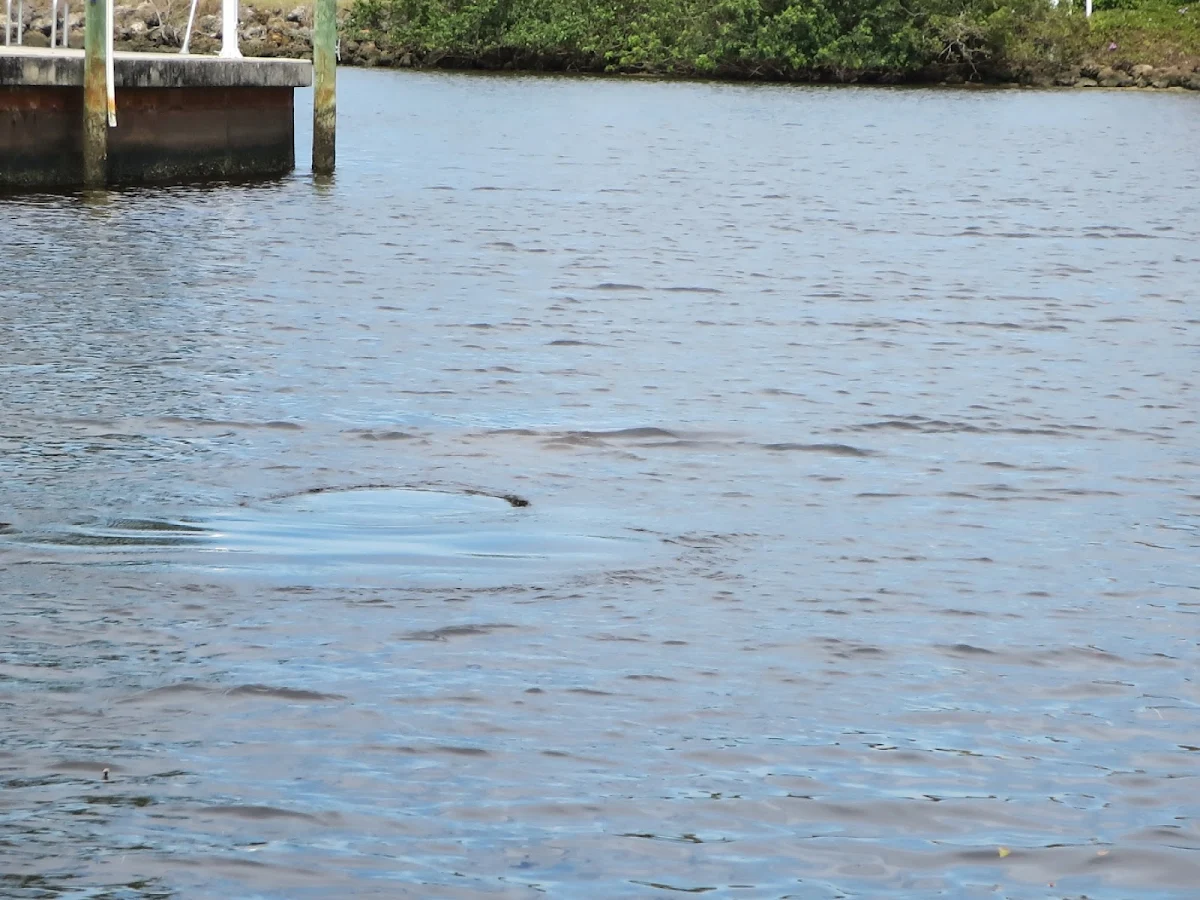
858,430
373,535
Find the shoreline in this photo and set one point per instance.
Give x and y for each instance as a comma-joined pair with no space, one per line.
1150,78
266,32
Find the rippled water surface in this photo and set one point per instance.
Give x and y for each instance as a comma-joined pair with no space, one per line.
858,431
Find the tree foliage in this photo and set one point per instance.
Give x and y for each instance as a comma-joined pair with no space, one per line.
880,40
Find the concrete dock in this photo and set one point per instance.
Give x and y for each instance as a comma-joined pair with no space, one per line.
179,118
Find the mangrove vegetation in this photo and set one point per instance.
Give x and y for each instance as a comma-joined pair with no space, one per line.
1032,41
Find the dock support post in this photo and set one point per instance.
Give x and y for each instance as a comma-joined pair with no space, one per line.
324,86
95,95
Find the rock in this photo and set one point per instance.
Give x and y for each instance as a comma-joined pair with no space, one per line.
299,15
953,78
35,39
1116,78
203,45
143,43
1086,82
1193,83
1066,79
1143,71
208,25
1176,77
1089,70
148,14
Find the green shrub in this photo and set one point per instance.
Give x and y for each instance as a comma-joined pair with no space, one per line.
840,39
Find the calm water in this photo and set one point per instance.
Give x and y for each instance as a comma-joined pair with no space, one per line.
862,556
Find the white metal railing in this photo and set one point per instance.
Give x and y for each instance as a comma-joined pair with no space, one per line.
60,25
229,29
187,35
8,22
14,29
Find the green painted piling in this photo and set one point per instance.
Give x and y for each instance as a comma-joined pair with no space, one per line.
95,96
324,86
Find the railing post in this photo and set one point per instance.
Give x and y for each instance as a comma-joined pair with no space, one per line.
229,30
95,95
7,21
187,35
324,86
53,23
110,65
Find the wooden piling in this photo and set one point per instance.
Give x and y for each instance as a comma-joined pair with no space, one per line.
95,95
324,86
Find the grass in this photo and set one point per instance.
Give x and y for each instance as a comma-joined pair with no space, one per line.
1159,33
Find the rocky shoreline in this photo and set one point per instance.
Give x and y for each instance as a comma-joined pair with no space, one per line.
262,31
278,32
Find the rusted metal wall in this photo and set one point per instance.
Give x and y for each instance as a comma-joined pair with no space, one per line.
41,136
162,134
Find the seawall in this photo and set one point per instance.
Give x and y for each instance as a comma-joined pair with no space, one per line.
178,118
